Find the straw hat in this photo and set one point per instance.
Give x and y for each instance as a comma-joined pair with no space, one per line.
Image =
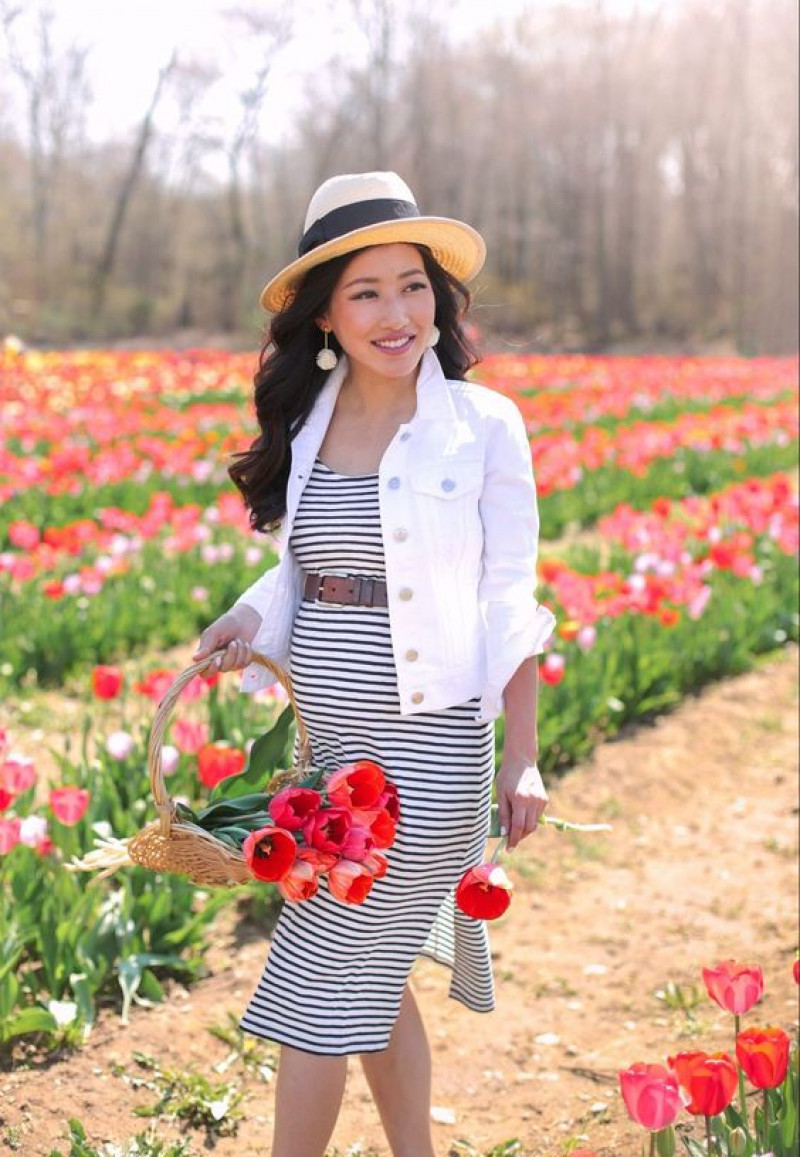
354,210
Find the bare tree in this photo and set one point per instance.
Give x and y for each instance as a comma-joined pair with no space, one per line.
56,92
105,263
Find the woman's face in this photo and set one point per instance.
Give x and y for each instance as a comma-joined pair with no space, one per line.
382,310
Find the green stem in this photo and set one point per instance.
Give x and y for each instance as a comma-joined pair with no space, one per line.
501,846
742,1094
652,1145
765,1138
708,1134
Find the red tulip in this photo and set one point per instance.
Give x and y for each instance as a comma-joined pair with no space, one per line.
356,785
9,834
763,1053
106,682
291,807
217,761
350,882
484,892
69,804
796,970
734,987
300,883
5,799
155,684
552,670
709,1079
380,824
651,1095
270,853
389,801
327,829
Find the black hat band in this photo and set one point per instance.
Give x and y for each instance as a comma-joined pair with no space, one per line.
356,216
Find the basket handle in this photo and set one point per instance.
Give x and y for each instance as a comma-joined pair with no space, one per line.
161,796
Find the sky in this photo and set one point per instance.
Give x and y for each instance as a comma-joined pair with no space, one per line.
129,41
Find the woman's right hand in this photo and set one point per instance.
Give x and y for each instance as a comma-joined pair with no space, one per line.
235,631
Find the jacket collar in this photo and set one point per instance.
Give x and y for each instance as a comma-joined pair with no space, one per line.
434,400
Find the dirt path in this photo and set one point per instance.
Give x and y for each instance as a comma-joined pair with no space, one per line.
701,865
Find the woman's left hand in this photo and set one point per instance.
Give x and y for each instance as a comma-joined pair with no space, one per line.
521,800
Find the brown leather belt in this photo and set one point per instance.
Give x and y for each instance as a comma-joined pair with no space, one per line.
349,590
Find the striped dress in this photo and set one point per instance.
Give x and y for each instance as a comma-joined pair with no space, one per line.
335,974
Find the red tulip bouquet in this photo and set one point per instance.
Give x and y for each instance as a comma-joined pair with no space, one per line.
484,892
336,825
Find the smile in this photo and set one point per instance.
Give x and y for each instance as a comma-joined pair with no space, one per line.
395,344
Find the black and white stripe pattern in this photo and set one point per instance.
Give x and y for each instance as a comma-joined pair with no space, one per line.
335,975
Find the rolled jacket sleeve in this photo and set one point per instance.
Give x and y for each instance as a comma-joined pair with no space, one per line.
259,596
517,626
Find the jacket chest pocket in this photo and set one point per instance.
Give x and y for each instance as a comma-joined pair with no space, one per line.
446,495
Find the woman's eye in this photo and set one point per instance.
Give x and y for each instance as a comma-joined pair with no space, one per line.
417,285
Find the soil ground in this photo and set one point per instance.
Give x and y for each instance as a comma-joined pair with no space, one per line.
701,865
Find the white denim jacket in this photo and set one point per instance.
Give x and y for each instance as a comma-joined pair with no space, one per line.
460,533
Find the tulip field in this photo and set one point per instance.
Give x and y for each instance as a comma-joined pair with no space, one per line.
668,498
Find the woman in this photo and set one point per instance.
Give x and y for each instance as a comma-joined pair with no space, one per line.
403,606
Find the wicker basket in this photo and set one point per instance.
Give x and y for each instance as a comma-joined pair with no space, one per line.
173,844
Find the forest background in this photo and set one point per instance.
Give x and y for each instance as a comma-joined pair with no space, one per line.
633,166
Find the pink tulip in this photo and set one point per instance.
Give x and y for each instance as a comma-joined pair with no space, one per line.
69,804
9,834
119,745
358,844
189,736
327,829
651,1095
586,638
17,774
291,807
376,862
734,987
170,758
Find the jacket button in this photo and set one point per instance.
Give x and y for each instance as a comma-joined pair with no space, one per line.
417,697
448,484
412,655
400,535
405,593
394,483
405,436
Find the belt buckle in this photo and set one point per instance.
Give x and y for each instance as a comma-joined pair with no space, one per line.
334,588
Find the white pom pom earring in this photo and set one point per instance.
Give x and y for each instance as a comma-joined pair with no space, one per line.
433,337
326,358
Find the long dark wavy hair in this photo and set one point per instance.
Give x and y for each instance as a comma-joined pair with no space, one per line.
288,381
